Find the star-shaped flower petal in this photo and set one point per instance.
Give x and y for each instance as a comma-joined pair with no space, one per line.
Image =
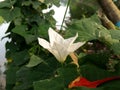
59,46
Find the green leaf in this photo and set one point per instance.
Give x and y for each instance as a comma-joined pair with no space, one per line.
55,2
116,48
68,73
26,3
7,3
92,72
43,29
35,4
49,84
84,8
34,61
49,17
98,59
20,58
115,34
1,20
22,31
12,49
95,18
10,14
18,21
85,88
111,84
87,29
11,75
26,76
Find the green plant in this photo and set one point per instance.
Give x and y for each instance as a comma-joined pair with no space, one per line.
31,67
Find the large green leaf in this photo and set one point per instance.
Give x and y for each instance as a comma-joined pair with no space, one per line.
115,46
34,61
88,29
115,34
111,84
49,84
10,14
92,72
26,76
98,59
68,73
11,75
20,58
22,31
7,3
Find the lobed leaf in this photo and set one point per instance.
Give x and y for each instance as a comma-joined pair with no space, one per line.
49,84
10,14
22,31
34,61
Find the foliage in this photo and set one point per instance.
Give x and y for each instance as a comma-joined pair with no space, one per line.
31,67
1,20
83,8
27,22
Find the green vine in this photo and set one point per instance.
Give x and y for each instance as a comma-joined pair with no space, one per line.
68,3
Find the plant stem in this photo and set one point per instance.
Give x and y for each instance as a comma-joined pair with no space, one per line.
65,14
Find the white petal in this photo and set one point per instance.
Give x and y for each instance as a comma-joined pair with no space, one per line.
75,46
69,41
60,52
44,43
54,36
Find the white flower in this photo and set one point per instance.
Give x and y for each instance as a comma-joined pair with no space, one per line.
59,46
